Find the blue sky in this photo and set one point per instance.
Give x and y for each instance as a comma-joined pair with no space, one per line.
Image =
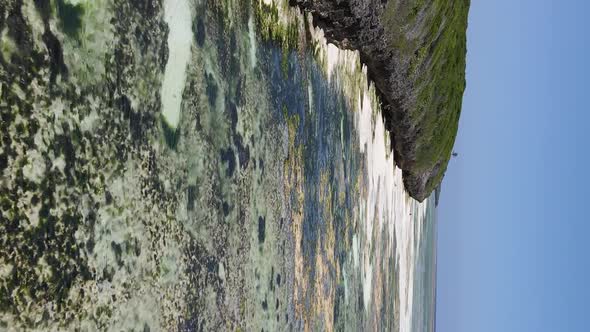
514,231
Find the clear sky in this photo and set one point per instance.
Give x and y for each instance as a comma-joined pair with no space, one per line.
514,226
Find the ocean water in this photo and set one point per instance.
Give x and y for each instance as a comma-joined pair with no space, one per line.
424,310
257,190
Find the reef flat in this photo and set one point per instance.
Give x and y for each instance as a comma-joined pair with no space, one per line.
260,192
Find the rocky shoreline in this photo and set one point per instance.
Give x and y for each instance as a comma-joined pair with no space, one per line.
405,45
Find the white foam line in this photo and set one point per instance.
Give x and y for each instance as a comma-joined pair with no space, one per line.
386,201
178,16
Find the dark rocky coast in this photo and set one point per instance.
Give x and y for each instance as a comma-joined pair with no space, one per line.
415,54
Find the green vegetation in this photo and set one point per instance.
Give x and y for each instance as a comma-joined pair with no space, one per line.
271,26
430,35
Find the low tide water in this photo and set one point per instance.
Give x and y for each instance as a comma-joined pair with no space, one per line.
263,194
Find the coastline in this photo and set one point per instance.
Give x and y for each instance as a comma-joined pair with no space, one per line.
262,213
